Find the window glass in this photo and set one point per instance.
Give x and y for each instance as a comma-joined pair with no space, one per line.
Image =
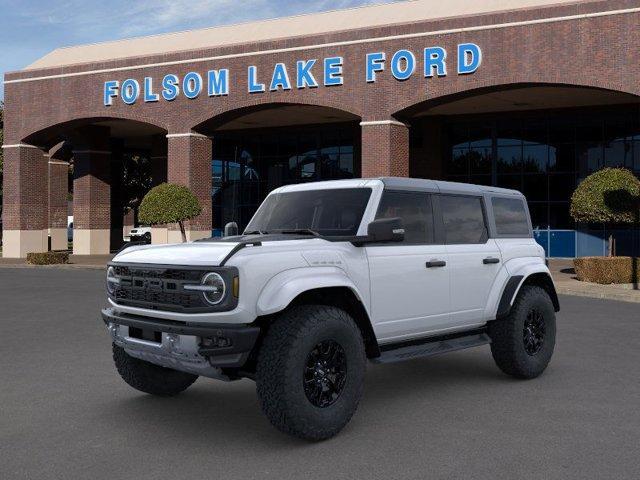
463,219
331,212
415,211
511,216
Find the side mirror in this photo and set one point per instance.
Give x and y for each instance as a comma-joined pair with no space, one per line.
385,230
231,229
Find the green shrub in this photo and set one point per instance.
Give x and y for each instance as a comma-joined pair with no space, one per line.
48,258
609,195
607,270
169,203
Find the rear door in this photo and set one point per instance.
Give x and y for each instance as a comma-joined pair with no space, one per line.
409,280
474,258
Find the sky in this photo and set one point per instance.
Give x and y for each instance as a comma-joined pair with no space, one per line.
30,29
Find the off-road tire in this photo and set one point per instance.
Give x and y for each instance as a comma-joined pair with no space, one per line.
149,378
507,335
282,365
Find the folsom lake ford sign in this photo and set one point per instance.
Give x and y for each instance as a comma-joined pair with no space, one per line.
311,73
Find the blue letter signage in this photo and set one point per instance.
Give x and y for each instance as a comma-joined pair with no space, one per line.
429,62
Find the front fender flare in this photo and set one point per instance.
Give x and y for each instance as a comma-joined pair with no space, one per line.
283,288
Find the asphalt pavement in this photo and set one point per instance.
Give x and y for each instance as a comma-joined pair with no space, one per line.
65,413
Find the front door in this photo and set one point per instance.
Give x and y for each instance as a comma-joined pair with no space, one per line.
410,280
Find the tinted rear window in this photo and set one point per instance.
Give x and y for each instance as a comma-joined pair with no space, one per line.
463,219
511,216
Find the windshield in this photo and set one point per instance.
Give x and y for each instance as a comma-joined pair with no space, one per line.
332,212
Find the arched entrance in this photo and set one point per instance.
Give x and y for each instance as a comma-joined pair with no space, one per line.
258,149
539,139
113,162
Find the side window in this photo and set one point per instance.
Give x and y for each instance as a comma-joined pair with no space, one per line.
511,216
414,209
463,219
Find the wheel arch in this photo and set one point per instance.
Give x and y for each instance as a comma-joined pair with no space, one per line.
515,283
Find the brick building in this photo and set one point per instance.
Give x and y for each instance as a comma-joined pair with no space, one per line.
527,94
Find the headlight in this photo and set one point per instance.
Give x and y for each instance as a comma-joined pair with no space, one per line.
212,287
112,281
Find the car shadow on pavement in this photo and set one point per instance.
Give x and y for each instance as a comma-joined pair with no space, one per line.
212,410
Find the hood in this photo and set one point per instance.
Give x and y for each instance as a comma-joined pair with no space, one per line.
200,254
208,252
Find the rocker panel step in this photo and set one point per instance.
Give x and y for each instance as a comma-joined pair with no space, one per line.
431,347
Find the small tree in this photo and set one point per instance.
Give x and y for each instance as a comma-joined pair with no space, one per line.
169,203
609,196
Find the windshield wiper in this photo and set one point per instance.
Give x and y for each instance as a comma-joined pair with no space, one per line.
298,231
255,232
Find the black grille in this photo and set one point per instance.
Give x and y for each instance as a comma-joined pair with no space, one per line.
162,288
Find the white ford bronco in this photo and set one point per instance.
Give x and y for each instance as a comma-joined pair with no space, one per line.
326,277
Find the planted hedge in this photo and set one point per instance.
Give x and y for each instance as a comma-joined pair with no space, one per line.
48,258
607,270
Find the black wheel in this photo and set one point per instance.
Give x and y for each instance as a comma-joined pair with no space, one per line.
310,371
150,378
147,237
523,343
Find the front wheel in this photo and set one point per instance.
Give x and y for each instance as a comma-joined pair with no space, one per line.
522,344
310,371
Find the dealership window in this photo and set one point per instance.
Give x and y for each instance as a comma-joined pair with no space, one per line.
543,154
248,164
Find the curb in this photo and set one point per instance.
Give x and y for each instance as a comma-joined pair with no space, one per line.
70,266
617,296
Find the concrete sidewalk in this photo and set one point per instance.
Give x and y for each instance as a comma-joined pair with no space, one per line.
564,277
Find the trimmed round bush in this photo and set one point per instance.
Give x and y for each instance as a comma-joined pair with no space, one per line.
169,203
610,195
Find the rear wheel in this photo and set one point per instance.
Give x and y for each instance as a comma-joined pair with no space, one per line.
523,342
310,371
149,378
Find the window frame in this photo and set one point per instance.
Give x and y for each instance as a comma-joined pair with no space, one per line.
434,223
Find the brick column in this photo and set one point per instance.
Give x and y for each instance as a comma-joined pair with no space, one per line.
92,192
24,200
189,164
58,190
159,233
385,149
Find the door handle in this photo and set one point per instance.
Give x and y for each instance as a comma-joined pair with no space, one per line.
436,263
490,261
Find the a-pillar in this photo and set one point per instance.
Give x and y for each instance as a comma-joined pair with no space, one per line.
159,233
385,149
58,191
25,200
189,164
92,192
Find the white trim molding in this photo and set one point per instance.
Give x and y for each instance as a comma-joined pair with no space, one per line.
254,53
383,122
189,134
21,145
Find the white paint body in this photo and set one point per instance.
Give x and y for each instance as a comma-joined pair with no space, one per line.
402,297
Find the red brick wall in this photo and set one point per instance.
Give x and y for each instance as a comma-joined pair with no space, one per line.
189,164
25,192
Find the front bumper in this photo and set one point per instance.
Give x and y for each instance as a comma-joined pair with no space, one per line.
198,348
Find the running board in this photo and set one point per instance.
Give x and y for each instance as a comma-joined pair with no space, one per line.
432,346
